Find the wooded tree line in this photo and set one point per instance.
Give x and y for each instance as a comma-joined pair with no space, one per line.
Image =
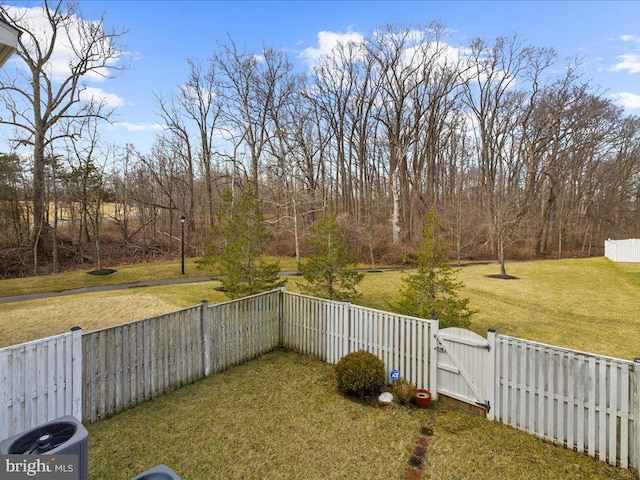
519,155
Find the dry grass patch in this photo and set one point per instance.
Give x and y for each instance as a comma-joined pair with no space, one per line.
468,447
124,274
34,319
280,417
80,279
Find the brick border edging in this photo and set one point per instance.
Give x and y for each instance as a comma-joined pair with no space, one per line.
418,457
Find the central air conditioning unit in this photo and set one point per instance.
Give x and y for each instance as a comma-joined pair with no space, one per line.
159,472
63,436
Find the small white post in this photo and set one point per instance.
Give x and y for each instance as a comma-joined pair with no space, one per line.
490,374
346,345
77,393
433,359
281,319
636,423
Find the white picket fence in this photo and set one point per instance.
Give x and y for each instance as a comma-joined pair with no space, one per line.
622,250
582,401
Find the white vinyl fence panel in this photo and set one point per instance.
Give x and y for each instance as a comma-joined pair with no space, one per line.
330,330
240,330
623,250
309,326
578,400
129,364
40,381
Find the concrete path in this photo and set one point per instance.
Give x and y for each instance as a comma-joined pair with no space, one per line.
148,283
104,288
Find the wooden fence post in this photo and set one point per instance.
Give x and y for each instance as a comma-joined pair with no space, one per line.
76,372
636,423
491,373
205,325
433,359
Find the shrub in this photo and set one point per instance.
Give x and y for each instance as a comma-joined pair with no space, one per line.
360,374
403,391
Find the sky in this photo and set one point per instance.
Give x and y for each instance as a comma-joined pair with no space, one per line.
162,35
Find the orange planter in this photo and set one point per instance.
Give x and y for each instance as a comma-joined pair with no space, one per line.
422,398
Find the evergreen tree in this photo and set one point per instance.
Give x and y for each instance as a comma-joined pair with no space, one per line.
330,270
243,239
433,290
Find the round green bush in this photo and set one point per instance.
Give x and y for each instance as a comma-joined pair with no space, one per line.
360,374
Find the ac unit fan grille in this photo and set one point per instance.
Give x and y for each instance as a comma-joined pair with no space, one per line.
43,439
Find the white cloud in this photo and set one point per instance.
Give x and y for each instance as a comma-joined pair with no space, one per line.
627,100
629,38
326,42
628,62
138,127
99,95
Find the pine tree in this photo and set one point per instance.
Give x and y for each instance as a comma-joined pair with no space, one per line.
243,238
330,270
433,291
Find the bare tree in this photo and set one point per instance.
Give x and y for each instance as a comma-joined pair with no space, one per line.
253,87
198,103
495,106
44,104
87,163
411,72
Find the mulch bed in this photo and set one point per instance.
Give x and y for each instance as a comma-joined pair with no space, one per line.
503,277
102,271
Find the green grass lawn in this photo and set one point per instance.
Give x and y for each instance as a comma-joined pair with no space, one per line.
280,417
591,304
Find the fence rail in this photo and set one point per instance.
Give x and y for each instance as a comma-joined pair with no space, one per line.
582,401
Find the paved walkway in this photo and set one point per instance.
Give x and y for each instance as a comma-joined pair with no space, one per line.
104,288
148,283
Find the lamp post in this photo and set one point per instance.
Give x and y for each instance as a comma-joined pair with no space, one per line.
182,220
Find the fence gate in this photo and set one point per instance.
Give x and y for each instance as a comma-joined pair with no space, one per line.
465,367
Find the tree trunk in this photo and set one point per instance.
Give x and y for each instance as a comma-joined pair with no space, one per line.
39,233
395,215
